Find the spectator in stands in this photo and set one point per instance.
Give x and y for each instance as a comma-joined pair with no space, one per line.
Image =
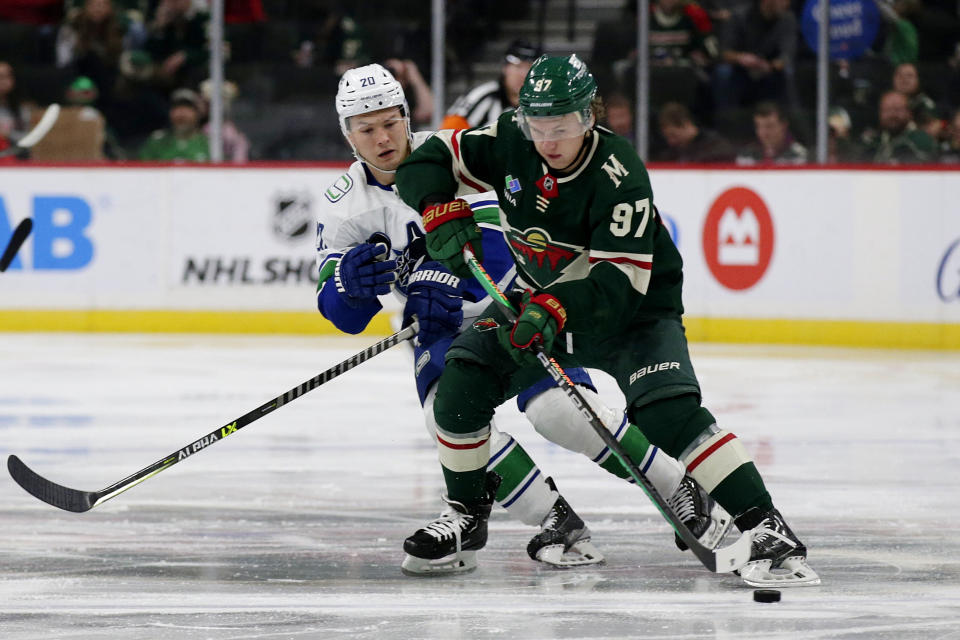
14,114
901,42
619,115
83,94
419,95
757,50
950,148
720,11
484,103
177,42
139,106
688,142
898,140
236,147
183,141
91,40
774,144
681,35
906,80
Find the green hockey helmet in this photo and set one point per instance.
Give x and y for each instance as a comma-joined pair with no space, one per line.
554,87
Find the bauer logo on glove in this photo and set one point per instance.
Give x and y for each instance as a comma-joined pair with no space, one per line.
450,227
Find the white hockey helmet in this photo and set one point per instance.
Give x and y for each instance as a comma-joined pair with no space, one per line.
367,89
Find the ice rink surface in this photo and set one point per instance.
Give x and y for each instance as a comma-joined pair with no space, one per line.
292,527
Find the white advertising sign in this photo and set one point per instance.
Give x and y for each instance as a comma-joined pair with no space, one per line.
789,244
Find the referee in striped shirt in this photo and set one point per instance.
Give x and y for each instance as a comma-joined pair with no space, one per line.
484,103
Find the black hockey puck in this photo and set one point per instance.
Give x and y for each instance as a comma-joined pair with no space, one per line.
766,595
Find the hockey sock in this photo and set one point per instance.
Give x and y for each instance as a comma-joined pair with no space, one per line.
465,486
467,395
555,418
740,486
523,490
663,471
715,458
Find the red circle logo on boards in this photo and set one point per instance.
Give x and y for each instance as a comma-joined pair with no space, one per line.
738,238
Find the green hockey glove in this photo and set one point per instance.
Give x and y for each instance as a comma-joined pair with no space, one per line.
541,318
450,227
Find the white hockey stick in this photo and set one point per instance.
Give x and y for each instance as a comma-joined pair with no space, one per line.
37,133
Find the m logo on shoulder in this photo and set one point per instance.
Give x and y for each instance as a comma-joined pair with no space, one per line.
614,170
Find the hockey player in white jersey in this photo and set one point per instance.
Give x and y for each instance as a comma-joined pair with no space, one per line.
370,243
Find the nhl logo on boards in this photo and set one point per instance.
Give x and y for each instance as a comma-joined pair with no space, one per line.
292,215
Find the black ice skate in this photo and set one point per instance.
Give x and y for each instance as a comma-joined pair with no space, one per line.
777,557
564,539
705,519
450,543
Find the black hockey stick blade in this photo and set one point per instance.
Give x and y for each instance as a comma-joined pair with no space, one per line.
80,501
16,241
50,492
729,558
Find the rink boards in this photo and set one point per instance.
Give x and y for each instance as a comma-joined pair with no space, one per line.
855,257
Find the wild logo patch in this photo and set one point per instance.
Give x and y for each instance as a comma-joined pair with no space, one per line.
534,246
485,324
292,214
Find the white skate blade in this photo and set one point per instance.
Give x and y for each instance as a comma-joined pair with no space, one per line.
792,572
463,562
580,553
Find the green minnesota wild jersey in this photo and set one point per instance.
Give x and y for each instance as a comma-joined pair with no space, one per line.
592,238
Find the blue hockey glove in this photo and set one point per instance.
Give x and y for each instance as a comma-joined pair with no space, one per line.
434,296
541,318
364,272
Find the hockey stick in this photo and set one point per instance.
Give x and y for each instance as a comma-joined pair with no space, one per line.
729,558
79,501
36,134
16,240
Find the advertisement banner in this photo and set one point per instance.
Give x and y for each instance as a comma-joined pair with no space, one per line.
781,245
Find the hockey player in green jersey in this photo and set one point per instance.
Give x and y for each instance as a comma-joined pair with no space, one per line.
369,243
602,282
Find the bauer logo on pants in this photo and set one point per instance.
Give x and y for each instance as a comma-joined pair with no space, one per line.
653,368
738,238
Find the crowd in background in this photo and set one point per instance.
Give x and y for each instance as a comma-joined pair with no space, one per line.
731,81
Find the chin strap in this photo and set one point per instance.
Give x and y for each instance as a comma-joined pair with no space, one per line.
570,168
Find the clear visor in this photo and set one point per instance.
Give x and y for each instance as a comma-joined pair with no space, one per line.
552,128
